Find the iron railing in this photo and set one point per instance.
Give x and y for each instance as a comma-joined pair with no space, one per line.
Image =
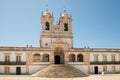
104,62
12,63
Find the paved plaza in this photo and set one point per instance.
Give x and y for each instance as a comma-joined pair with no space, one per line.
91,77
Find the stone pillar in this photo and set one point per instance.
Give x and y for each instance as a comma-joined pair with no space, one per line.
75,57
27,63
66,58
52,57
41,58
28,60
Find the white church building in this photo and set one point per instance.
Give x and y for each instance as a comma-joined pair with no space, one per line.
56,48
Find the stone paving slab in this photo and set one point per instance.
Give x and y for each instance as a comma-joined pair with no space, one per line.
91,77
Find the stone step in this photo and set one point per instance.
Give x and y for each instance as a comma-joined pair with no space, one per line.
59,71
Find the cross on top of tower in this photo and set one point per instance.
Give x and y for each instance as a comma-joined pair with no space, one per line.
64,10
46,8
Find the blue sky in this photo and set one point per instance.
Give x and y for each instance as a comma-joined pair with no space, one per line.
96,23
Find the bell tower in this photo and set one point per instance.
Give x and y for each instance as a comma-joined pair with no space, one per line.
66,22
47,20
59,32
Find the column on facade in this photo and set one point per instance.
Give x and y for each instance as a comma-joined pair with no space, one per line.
29,60
41,58
75,57
52,57
66,58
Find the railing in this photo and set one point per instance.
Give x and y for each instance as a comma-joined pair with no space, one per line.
104,62
12,63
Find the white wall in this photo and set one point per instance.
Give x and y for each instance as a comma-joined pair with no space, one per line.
49,40
2,56
1,69
13,69
36,68
100,56
12,55
83,68
109,68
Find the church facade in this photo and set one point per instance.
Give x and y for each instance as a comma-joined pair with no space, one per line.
56,47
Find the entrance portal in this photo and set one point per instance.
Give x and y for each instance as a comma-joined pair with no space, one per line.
57,59
96,70
58,56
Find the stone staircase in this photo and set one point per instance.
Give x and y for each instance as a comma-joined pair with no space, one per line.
59,71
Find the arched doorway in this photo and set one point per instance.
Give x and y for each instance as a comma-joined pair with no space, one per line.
57,59
58,56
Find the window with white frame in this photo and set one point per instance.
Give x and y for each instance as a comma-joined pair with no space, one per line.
105,68
113,68
7,58
96,57
18,58
104,57
113,57
7,70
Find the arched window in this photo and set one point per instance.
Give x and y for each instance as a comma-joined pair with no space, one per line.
71,58
47,26
45,57
80,58
65,27
36,58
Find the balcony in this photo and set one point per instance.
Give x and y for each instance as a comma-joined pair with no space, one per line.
104,62
12,63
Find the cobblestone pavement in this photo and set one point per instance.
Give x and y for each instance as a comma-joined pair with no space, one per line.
91,77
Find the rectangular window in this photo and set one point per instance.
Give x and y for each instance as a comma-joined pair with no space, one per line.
119,57
7,58
96,57
105,68
18,58
113,58
105,58
7,70
113,68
